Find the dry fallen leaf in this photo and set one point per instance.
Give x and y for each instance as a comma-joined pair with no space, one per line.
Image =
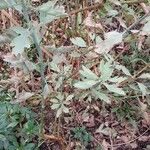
105,145
91,121
146,116
90,23
23,96
134,145
125,139
106,45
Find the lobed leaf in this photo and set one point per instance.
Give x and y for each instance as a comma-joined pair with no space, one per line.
20,42
145,76
106,70
49,12
123,69
85,84
106,45
143,89
101,96
78,41
114,88
87,73
46,91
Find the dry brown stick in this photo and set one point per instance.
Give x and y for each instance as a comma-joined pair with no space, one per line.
133,1
111,141
57,139
131,79
98,5
124,49
95,6
125,34
138,73
9,17
53,138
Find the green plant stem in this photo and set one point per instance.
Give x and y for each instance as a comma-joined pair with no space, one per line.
39,50
41,62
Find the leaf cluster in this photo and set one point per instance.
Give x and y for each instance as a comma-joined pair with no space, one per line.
17,127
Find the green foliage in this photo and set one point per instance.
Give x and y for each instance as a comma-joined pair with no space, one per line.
22,41
49,12
106,45
17,127
81,134
78,41
96,84
4,4
60,103
126,112
6,96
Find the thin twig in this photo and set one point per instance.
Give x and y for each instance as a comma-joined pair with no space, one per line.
139,72
127,31
98,5
121,144
132,79
111,141
95,6
133,2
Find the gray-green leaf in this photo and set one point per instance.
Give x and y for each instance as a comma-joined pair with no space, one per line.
114,88
145,76
124,69
20,42
101,96
46,91
143,88
85,84
87,73
49,12
106,70
146,28
78,41
111,39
